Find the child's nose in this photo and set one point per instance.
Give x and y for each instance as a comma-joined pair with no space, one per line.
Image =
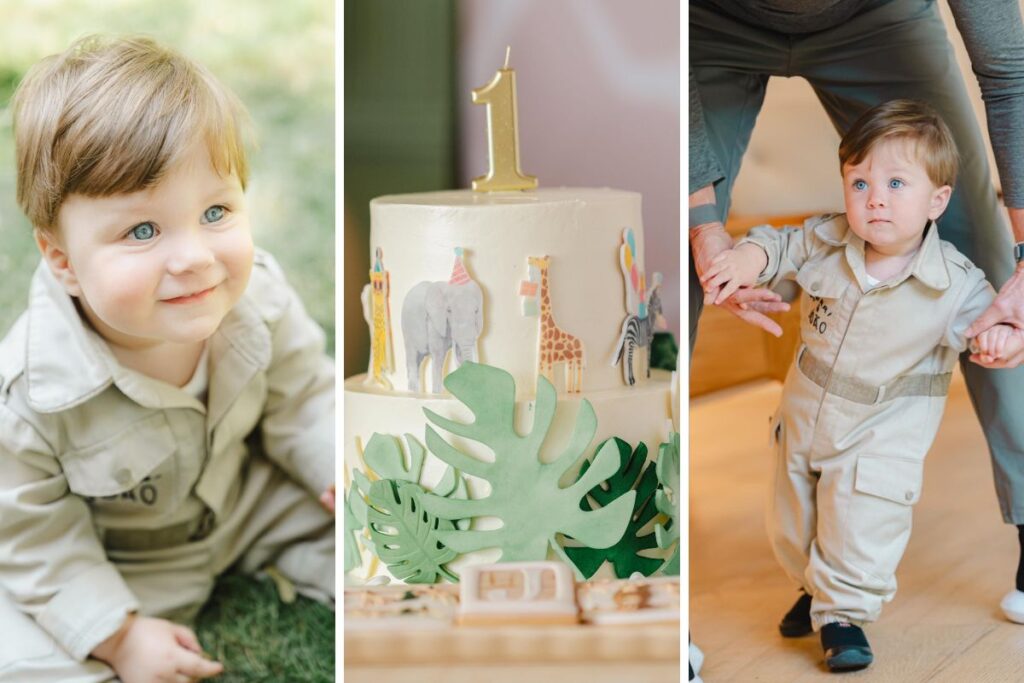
191,253
876,199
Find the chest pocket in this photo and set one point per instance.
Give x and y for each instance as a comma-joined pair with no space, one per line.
123,463
823,280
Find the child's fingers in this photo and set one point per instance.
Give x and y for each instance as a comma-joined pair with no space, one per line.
727,291
187,639
999,348
717,281
191,664
711,271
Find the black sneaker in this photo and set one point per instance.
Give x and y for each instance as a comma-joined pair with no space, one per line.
797,621
846,647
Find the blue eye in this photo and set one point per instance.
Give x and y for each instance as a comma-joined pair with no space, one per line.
896,183
143,232
860,185
214,214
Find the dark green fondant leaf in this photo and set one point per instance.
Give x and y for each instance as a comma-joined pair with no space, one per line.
634,473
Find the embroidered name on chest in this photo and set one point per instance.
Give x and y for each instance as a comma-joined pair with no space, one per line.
818,318
146,493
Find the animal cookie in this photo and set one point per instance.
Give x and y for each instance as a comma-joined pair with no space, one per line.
438,317
643,310
555,345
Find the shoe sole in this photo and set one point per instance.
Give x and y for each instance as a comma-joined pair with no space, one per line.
851,660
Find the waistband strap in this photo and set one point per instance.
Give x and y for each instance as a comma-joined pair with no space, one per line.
859,392
189,531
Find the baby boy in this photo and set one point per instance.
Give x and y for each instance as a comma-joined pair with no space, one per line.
166,405
884,309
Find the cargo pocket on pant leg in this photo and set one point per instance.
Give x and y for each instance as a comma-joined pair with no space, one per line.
885,490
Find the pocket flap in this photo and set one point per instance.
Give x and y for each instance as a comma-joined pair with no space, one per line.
895,479
120,463
820,281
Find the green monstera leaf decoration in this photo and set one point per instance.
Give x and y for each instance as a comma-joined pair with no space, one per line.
353,526
667,500
405,535
383,455
525,494
632,475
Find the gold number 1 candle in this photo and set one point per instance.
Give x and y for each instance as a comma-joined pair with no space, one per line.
502,134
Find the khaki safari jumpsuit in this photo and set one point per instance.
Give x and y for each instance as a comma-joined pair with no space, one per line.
860,407
122,493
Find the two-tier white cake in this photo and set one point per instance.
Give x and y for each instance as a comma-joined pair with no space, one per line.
531,282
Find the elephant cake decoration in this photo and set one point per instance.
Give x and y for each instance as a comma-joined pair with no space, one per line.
438,317
377,311
643,310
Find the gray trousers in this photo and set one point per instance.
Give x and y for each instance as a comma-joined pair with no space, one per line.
890,50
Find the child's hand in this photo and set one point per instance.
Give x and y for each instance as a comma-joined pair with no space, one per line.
327,499
732,269
997,343
145,650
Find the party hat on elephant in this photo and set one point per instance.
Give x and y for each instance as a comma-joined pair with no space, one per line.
459,274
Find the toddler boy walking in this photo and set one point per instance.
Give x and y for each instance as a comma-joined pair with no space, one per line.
166,406
884,307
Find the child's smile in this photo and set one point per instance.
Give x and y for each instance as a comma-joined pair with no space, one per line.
164,264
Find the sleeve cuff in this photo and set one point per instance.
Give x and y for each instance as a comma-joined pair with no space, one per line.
766,274
88,610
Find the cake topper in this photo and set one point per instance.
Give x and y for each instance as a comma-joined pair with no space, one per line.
643,310
377,311
502,134
438,316
555,345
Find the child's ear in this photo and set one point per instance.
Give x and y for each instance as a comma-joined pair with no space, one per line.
939,202
57,259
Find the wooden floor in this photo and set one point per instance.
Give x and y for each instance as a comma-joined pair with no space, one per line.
943,625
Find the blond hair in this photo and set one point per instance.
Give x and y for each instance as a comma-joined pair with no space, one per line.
112,115
909,120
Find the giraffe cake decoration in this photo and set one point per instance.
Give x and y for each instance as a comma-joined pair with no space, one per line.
377,311
555,346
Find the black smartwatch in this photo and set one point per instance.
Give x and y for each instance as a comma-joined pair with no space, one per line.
1018,252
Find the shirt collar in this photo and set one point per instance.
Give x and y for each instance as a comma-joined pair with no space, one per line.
928,264
67,362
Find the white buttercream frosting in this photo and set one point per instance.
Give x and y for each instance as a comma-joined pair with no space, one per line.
580,229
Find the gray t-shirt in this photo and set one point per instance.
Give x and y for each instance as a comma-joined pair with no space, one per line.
992,32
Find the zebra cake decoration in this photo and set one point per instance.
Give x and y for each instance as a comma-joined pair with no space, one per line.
643,310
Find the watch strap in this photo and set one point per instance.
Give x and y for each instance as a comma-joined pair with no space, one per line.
703,214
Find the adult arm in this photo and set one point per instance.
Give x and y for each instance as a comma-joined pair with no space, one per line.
703,164
53,565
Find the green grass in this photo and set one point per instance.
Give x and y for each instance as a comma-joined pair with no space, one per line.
258,639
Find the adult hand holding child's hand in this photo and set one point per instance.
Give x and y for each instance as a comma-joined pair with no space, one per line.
148,650
1008,308
707,243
